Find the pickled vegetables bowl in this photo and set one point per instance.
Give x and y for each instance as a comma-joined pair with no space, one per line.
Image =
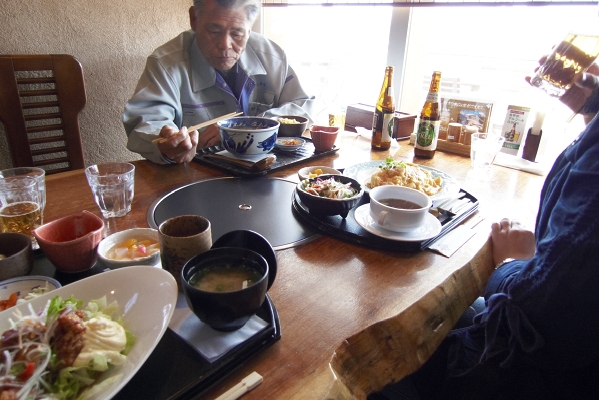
137,246
330,194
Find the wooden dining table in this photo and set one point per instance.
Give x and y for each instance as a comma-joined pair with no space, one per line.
351,318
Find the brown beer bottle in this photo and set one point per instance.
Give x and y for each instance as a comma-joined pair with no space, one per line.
382,122
428,127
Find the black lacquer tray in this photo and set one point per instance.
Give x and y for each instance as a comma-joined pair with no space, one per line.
175,370
349,230
284,158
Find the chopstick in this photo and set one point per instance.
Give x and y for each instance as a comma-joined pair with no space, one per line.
247,384
201,125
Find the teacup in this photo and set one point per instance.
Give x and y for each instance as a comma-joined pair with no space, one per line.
213,286
399,208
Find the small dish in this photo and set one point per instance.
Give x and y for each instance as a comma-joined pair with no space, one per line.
287,129
134,234
430,228
321,205
289,144
323,137
27,287
305,172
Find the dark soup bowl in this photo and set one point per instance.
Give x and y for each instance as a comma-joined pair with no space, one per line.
225,286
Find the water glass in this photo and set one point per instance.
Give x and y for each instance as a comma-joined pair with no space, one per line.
37,173
112,187
20,205
484,147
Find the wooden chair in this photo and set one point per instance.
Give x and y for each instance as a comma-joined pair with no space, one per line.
40,100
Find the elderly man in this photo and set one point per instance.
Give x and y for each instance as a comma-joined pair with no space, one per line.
216,68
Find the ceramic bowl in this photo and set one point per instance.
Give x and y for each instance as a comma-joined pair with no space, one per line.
225,311
71,242
27,287
397,217
329,206
305,172
324,137
135,235
248,135
289,144
16,247
292,130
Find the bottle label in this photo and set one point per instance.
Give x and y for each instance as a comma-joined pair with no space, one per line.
428,132
432,97
387,128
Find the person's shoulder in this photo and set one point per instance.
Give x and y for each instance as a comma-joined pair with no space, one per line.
175,50
265,46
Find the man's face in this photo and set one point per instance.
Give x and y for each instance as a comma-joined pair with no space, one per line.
221,34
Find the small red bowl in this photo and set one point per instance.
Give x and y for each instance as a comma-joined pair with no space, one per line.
324,137
71,242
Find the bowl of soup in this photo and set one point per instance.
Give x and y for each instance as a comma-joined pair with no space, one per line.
225,286
398,208
245,136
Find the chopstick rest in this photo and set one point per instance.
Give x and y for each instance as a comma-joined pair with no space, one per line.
201,125
246,384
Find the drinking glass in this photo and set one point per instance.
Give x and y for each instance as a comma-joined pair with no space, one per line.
38,174
20,205
112,186
484,147
574,54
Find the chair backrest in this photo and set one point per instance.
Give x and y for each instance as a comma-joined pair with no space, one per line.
40,100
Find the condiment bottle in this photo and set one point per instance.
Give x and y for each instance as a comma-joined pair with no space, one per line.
428,127
382,122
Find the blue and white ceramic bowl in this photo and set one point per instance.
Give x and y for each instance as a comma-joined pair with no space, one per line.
248,135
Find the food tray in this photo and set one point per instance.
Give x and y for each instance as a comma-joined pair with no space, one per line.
348,229
175,370
284,158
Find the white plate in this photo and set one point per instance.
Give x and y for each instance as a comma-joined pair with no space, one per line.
144,314
430,229
24,285
363,171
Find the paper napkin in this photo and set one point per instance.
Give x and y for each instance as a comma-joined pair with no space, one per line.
209,343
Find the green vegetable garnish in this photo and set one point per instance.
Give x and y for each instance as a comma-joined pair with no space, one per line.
392,164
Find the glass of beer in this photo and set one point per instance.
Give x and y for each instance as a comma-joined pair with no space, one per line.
37,173
573,55
20,205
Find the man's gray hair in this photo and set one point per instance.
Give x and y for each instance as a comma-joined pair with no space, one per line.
252,7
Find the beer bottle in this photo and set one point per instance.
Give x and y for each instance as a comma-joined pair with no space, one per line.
428,127
382,122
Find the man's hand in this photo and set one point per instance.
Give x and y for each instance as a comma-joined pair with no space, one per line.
180,146
511,240
209,136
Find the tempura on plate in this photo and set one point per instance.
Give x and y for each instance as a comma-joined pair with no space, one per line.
407,174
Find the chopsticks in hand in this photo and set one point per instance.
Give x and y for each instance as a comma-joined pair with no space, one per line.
247,384
201,125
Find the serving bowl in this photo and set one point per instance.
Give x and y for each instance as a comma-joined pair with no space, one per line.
71,242
289,144
146,300
292,129
320,205
135,247
16,247
248,135
323,137
305,172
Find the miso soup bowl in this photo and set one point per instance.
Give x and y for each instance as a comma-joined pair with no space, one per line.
225,311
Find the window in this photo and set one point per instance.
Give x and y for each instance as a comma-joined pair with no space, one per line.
340,54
